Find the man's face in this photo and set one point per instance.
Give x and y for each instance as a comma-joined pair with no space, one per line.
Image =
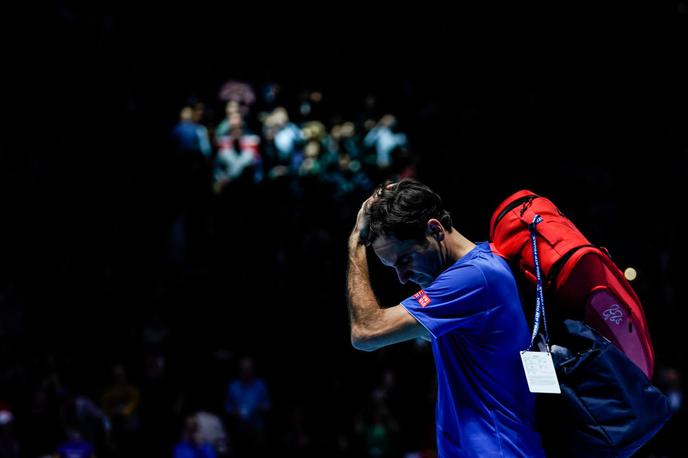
419,262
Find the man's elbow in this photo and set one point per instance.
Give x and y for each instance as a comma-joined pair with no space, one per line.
363,345
363,341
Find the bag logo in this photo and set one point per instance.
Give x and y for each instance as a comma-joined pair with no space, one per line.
422,298
614,314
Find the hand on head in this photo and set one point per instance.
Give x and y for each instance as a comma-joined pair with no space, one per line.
361,228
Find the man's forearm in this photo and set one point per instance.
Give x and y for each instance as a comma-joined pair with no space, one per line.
363,306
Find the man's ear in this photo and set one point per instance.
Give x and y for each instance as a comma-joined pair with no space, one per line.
435,230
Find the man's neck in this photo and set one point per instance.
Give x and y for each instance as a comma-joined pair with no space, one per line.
457,245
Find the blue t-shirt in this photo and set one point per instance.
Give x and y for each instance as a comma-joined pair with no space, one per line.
249,400
473,311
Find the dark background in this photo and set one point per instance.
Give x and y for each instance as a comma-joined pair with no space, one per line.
584,104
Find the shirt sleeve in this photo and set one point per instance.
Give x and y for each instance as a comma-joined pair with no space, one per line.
456,300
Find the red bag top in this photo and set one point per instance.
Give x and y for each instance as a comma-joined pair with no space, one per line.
510,234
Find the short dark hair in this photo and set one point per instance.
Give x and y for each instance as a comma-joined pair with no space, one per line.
402,210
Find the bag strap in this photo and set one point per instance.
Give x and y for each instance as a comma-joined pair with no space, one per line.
539,296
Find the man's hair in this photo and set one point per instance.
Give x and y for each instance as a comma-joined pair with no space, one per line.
402,210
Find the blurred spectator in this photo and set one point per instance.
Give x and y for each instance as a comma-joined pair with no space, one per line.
343,140
82,416
188,181
192,444
239,92
384,138
190,136
238,158
314,134
212,431
347,177
283,143
121,399
223,129
75,447
310,166
120,402
247,404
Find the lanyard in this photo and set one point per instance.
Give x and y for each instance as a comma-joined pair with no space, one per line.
539,296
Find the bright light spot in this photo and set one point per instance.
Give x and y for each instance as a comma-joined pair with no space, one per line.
630,274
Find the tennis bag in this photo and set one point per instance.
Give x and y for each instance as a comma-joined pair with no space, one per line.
608,406
581,280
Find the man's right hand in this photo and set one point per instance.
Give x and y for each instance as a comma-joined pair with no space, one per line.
360,231
359,235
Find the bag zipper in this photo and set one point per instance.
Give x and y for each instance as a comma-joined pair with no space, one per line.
525,200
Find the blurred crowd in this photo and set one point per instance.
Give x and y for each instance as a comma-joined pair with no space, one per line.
257,202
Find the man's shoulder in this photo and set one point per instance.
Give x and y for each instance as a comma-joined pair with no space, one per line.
480,269
479,259
492,266
462,271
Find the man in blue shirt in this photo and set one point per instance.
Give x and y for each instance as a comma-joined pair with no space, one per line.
469,308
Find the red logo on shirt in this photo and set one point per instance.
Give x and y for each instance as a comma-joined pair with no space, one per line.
422,298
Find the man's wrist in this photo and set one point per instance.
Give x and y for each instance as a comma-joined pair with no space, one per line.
357,254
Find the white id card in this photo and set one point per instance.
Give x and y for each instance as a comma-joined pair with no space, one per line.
540,372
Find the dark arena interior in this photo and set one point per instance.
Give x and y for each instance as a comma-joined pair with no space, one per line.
143,273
